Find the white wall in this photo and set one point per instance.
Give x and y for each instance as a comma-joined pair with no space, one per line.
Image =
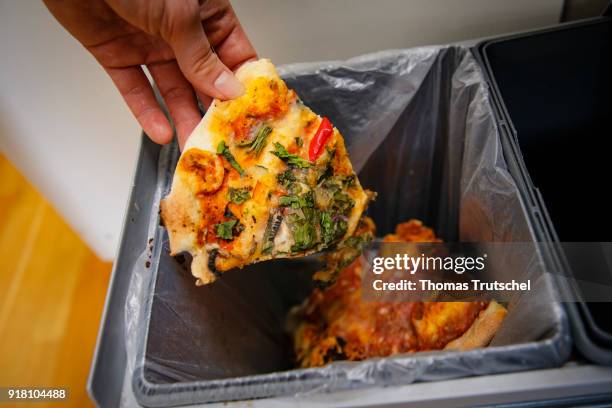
310,30
66,128
63,124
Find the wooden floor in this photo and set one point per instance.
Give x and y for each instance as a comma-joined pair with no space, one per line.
52,289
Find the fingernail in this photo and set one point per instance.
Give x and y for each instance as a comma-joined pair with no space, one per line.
229,85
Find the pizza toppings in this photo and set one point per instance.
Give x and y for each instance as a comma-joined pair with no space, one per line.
273,225
224,151
316,205
320,138
238,195
287,180
345,253
291,159
260,140
225,230
203,170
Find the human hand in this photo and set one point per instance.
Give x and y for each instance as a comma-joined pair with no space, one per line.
174,40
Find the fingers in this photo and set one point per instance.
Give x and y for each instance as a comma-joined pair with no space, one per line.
226,34
136,90
200,65
179,97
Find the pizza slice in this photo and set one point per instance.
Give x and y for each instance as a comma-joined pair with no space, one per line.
338,324
261,177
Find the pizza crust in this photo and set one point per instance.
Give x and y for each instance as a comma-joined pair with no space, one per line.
482,330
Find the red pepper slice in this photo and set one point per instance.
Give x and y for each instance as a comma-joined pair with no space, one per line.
320,138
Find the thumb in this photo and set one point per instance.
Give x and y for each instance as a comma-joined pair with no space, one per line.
198,62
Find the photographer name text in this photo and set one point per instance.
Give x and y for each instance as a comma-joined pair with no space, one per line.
429,285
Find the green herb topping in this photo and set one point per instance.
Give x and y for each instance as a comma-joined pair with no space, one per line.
223,150
304,234
287,180
358,242
228,230
290,159
224,230
297,202
260,140
332,229
341,203
239,195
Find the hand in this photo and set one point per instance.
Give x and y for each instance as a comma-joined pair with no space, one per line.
174,39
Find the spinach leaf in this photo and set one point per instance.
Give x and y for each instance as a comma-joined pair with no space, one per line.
223,150
297,202
289,158
332,227
239,195
304,235
341,203
225,230
286,179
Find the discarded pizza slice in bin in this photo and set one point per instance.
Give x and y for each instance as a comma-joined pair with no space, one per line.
337,323
261,177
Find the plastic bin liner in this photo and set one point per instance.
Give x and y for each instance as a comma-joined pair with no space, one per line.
420,130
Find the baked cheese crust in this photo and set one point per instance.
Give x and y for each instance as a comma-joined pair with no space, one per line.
259,179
